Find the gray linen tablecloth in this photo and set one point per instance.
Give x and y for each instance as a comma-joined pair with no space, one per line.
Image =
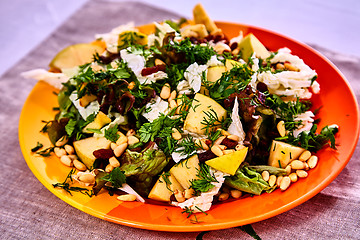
29,211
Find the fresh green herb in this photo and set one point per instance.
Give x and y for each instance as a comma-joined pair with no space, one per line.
37,147
211,121
230,82
66,186
312,141
205,179
192,53
46,152
187,145
129,38
76,124
111,133
94,130
45,128
287,111
165,176
116,177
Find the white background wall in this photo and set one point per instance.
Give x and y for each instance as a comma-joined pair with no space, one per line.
332,24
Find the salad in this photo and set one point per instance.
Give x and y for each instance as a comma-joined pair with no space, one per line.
182,115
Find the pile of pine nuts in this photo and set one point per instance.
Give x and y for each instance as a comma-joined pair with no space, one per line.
172,98
295,169
67,155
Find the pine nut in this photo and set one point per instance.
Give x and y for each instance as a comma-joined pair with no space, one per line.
179,196
114,162
97,68
293,177
131,132
120,149
200,143
132,140
131,85
278,180
122,139
172,95
228,151
290,67
239,147
127,198
165,91
305,156
233,137
59,152
285,183
235,193
109,168
87,178
313,160
219,140
176,134
173,104
189,193
113,145
265,175
281,128
297,164
69,149
280,66
224,196
288,169
66,160
159,62
216,150
222,147
272,180
79,165
62,141
301,173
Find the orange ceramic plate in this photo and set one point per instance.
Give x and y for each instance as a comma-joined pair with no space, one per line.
338,106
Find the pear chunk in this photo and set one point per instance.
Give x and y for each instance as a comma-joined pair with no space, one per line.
163,190
100,120
281,154
251,44
228,163
201,107
85,147
186,170
75,55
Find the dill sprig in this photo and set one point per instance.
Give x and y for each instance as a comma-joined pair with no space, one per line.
69,189
205,179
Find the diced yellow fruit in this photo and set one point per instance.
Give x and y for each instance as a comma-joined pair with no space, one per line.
75,55
201,106
87,99
250,44
228,163
229,64
215,73
185,171
85,147
201,17
132,37
197,30
100,120
162,191
281,154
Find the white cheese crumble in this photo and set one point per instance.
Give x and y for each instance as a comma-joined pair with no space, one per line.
236,127
135,62
307,121
156,106
213,61
54,79
193,75
237,39
85,112
163,28
203,202
290,83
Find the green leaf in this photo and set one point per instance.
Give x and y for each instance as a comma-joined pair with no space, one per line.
116,177
111,133
37,147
